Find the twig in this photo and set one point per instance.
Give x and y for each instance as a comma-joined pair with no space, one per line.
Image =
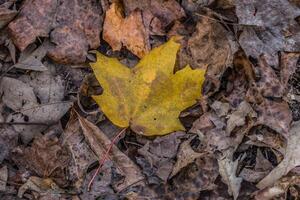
102,161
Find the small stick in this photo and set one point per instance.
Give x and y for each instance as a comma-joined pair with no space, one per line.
102,161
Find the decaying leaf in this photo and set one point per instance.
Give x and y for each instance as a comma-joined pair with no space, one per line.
74,29
148,97
99,142
50,159
278,188
185,156
6,15
160,154
82,155
237,118
227,169
208,48
275,28
129,31
199,176
42,186
275,115
290,160
3,178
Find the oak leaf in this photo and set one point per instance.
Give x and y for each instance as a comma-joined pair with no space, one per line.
150,96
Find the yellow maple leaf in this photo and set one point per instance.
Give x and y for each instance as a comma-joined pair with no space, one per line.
150,96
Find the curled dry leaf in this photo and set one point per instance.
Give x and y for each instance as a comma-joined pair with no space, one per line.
129,31
148,97
261,169
291,158
99,142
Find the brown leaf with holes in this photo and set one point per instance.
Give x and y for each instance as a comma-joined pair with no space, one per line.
129,31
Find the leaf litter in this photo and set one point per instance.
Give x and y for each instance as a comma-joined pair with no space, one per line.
236,138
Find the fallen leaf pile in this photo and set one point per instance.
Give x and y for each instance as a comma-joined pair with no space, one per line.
149,99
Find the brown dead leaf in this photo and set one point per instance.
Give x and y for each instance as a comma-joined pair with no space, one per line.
237,118
198,176
165,12
203,123
99,142
261,169
3,178
49,160
35,19
279,188
288,67
76,28
160,153
6,15
82,154
208,48
275,115
290,160
129,31
185,156
273,28
269,84
41,186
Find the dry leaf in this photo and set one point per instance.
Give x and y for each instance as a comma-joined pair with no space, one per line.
208,48
99,142
50,158
185,156
276,115
160,153
42,186
237,118
227,169
290,160
148,97
74,29
82,154
3,178
129,31
279,188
